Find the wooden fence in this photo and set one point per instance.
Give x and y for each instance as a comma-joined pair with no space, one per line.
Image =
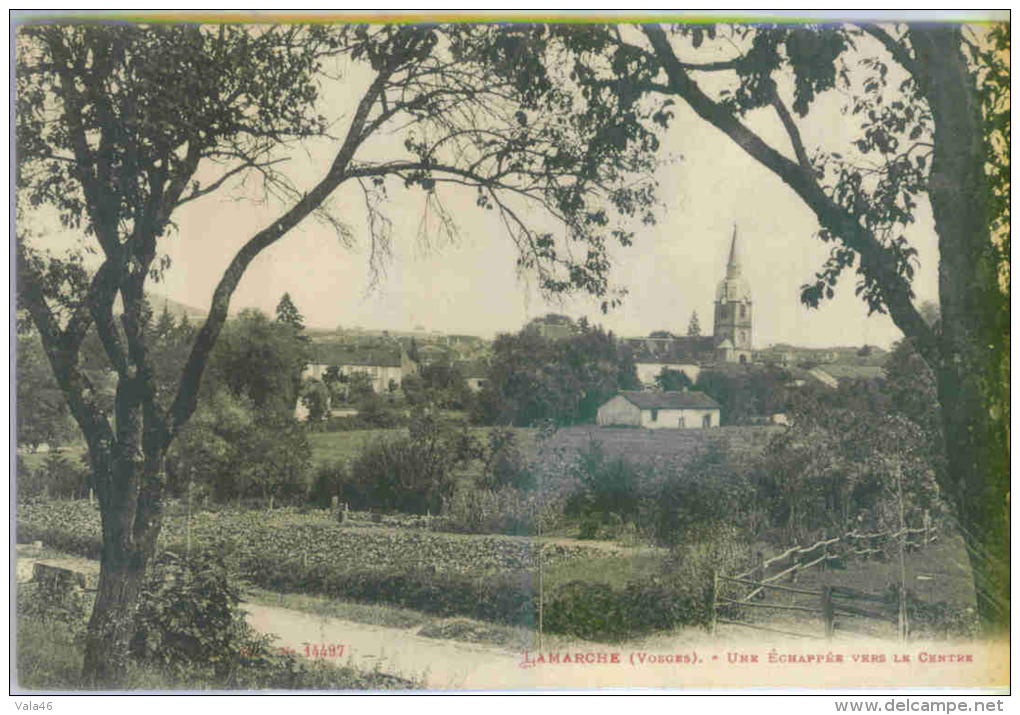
831,601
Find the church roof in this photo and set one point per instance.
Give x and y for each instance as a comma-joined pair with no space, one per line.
681,349
734,287
670,400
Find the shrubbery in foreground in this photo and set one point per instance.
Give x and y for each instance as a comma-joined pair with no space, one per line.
189,633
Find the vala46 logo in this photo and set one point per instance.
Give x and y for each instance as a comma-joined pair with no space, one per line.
29,705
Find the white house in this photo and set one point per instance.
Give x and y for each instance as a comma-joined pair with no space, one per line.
660,410
383,363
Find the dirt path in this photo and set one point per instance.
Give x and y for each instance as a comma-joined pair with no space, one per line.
397,651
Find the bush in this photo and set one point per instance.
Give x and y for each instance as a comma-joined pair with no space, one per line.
188,617
388,419
596,611
679,596
330,479
390,475
50,653
62,478
505,463
414,474
703,496
31,483
501,511
608,488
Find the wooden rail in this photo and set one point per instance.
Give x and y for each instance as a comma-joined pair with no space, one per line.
757,580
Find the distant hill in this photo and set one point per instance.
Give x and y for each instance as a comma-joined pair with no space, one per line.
178,309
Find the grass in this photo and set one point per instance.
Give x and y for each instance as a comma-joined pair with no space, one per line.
616,570
48,656
345,446
372,614
72,452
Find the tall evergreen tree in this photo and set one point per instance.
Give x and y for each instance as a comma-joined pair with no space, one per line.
288,314
694,327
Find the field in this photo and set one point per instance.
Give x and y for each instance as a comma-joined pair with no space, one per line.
671,445
344,446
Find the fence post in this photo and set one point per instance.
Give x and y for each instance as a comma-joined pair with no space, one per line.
712,595
828,612
334,503
793,565
927,529
759,571
825,557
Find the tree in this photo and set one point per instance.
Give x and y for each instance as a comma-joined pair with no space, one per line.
849,461
262,360
359,386
931,104
315,397
746,395
288,314
119,126
694,327
669,380
42,414
532,378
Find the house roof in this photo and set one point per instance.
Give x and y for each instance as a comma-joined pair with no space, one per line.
683,349
387,355
670,400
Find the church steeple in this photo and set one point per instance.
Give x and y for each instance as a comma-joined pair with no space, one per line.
733,331
733,265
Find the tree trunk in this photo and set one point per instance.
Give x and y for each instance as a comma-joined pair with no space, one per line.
970,374
128,482
121,576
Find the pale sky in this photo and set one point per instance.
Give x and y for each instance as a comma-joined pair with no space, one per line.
471,287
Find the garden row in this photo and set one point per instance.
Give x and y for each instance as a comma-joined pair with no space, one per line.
489,578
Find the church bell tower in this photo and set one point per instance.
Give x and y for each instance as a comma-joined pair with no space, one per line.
733,335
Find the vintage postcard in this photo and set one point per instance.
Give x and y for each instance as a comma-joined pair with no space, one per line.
504,353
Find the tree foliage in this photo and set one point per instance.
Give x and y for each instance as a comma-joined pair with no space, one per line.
261,360
532,378
42,415
669,380
843,462
746,395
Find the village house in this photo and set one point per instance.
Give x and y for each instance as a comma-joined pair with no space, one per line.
660,410
474,372
383,362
